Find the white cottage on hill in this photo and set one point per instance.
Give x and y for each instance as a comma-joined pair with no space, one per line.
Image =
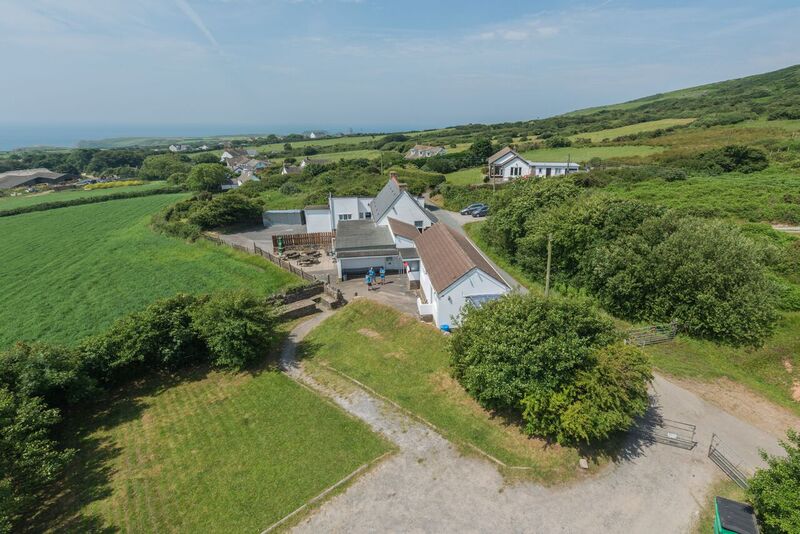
506,165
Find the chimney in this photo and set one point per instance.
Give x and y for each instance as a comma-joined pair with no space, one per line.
393,175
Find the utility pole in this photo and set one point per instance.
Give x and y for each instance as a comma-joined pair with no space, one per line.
549,259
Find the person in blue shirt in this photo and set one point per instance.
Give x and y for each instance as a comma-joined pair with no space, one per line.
383,275
372,272
368,281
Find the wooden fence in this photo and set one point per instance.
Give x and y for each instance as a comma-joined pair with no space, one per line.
329,289
315,239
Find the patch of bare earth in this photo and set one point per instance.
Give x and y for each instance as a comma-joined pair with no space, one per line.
743,403
372,334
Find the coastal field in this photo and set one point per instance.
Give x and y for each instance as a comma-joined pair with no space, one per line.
204,451
9,202
70,272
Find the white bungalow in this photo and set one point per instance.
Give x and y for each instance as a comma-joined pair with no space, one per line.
506,165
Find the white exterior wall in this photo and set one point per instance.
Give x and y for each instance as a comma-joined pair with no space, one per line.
354,206
447,306
516,163
406,209
318,221
402,242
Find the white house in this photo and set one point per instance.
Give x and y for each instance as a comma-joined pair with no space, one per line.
393,201
424,151
453,273
506,165
179,148
290,169
230,153
308,161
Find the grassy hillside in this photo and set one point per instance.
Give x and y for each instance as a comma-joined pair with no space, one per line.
7,203
70,272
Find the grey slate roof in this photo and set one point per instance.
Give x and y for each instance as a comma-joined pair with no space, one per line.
363,235
11,179
499,154
381,203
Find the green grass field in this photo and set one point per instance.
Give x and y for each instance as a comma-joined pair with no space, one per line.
70,272
648,126
473,175
583,154
772,195
7,203
327,141
205,452
407,361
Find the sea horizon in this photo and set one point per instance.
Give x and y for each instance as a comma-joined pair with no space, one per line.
22,136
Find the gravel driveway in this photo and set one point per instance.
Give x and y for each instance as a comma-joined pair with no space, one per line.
429,487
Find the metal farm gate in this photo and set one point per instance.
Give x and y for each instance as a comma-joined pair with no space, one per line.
673,433
727,461
650,335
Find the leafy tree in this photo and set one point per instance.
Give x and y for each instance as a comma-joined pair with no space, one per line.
205,157
310,150
178,178
603,399
287,147
775,491
237,328
482,148
29,455
557,141
207,177
507,348
226,210
161,166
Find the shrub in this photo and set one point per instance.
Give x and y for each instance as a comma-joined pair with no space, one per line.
206,177
506,349
775,491
161,166
289,188
237,328
603,399
226,210
557,141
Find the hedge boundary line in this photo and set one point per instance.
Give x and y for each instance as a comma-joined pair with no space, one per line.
45,206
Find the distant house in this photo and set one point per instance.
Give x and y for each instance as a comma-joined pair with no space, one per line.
237,181
204,147
179,148
316,161
242,163
507,164
424,151
230,153
29,177
315,134
453,274
291,169
251,152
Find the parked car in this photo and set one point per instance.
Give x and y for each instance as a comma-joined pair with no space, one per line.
472,208
481,212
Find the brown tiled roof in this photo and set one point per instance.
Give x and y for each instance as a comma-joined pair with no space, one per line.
403,229
499,154
448,255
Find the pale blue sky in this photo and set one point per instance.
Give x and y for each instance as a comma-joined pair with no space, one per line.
365,63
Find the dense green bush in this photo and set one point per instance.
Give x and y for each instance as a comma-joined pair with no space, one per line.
207,177
504,349
162,166
517,202
458,197
730,158
775,491
188,218
555,363
599,401
643,263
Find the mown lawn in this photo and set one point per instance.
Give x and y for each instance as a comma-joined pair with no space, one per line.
473,175
583,154
649,126
407,361
7,203
205,452
772,195
70,272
